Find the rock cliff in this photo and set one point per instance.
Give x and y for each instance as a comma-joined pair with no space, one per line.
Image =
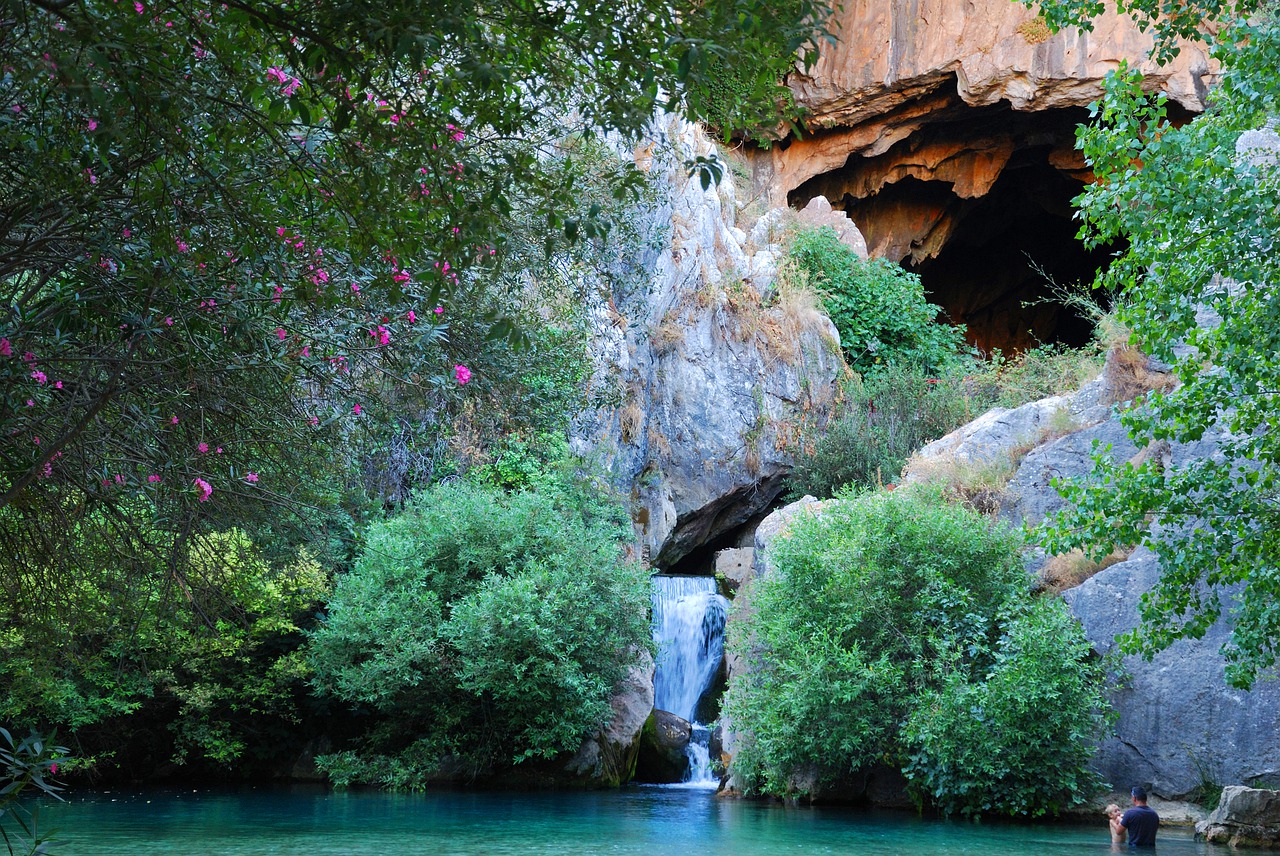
716,369
946,131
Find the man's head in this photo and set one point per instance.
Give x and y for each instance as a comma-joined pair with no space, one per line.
1139,796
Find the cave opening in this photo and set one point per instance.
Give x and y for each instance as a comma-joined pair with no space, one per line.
1001,271
978,202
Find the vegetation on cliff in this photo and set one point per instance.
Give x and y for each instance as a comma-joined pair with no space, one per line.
1199,205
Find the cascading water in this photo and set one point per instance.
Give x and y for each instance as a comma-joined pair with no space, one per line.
688,627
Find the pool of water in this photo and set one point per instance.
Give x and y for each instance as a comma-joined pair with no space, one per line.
643,821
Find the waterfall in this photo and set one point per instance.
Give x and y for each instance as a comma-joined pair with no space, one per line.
688,627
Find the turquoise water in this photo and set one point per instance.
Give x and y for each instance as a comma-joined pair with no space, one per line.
639,821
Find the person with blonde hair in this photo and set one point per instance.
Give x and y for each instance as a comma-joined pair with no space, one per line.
1113,813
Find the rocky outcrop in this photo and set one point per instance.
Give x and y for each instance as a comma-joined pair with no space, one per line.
662,749
1245,817
898,67
715,371
608,758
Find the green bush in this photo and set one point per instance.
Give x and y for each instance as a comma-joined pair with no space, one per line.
204,671
878,308
876,611
882,420
1019,740
491,627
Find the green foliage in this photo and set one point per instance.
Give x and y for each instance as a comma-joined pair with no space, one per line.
490,626
878,308
880,608
1018,740
26,764
1200,219
882,420
230,227
887,416
211,659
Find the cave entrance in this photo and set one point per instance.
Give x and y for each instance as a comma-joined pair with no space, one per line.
978,202
997,272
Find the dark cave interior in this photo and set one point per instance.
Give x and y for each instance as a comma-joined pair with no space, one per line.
979,204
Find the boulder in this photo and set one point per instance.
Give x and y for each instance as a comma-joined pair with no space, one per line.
1245,817
663,759
608,758
1179,726
734,567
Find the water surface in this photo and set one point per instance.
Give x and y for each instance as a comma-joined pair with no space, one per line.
642,821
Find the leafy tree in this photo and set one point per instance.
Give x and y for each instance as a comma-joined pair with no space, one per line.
234,238
1200,213
485,628
136,675
1019,739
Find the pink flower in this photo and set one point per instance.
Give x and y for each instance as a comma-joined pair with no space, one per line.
58,385
138,7
355,288
53,769
125,233
28,357
93,124
168,322
412,318
455,133
119,478
356,410
153,479
202,448
204,490
173,420
30,403
280,231
39,377
251,478
439,310
218,451
462,374
182,245
306,350
381,335
281,334
291,88
6,350
279,77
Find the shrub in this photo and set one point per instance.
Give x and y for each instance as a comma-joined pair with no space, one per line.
1019,740
882,421
878,308
864,603
896,607
490,626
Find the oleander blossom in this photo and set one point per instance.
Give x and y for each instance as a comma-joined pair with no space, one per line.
462,374
251,478
204,490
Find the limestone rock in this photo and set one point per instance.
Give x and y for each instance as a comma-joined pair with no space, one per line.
1245,817
898,66
713,380
662,749
608,759
1179,723
735,566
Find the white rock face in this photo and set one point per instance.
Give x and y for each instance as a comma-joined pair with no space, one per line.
714,379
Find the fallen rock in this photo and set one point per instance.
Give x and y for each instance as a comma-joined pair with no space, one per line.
1245,817
608,759
663,741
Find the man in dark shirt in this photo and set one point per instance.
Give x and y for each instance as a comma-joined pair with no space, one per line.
1141,822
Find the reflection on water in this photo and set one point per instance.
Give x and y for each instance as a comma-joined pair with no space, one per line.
634,822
